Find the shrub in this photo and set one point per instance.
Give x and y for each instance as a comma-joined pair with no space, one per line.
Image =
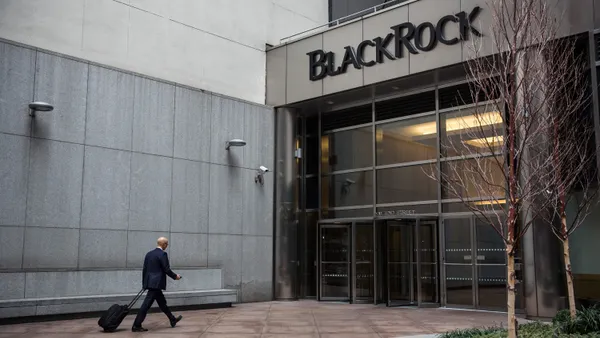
587,321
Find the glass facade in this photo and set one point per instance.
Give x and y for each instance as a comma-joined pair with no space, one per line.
375,220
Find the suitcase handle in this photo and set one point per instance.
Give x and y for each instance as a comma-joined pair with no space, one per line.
135,299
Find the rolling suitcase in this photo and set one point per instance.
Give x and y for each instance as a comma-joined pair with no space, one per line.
112,318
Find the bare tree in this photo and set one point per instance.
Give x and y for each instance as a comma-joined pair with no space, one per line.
497,152
573,169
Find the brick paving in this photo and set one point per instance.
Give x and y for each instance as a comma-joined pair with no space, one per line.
303,319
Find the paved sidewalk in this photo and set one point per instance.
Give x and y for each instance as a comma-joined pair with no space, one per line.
303,319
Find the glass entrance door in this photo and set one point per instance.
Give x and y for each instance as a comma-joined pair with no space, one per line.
401,262
364,262
412,268
334,245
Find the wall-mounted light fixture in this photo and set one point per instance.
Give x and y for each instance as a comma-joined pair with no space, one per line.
259,178
39,106
234,143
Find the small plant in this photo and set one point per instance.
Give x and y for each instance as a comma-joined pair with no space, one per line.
587,321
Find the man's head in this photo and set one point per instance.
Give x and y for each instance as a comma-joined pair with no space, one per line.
162,243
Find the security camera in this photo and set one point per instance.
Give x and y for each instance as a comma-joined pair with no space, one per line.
263,169
259,176
349,181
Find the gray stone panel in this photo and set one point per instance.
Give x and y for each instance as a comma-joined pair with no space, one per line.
154,111
258,204
260,133
379,26
150,198
276,64
109,109
11,247
50,248
442,55
191,188
225,252
227,122
63,83
55,178
188,250
299,86
22,311
105,189
14,164
53,284
192,124
226,204
257,269
13,285
102,249
138,244
17,66
478,47
335,41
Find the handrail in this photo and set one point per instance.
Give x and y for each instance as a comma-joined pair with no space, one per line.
387,4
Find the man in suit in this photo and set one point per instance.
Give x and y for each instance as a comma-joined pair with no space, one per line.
154,279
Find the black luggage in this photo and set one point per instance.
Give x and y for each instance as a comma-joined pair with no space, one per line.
112,318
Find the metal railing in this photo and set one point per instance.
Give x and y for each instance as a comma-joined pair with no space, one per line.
386,5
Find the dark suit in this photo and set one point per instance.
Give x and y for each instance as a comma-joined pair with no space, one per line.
154,279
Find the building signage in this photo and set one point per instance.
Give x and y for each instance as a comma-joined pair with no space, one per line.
396,212
322,64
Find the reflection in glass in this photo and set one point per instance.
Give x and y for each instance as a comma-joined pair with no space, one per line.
312,192
492,286
488,205
490,246
459,285
310,268
406,184
343,190
463,179
311,155
406,141
349,149
491,281
471,131
335,256
458,240
364,253
349,213
401,262
428,260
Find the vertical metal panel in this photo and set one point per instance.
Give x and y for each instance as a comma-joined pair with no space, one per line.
276,76
298,84
594,85
285,209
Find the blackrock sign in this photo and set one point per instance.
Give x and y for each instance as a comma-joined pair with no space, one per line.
322,64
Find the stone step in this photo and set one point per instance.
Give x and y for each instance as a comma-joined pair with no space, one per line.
94,303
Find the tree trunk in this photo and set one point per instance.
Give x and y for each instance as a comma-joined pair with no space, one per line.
569,273
512,319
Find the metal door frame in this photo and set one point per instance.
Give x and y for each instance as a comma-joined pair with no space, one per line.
355,226
416,226
444,299
474,266
338,225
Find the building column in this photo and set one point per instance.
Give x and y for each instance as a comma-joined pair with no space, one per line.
543,285
286,223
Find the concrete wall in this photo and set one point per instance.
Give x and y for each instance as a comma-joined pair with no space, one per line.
213,45
125,159
288,76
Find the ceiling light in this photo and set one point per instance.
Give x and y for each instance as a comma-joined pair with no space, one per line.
330,102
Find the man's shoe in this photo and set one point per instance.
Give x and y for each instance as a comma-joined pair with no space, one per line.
138,329
176,320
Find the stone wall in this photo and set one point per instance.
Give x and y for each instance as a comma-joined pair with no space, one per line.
122,160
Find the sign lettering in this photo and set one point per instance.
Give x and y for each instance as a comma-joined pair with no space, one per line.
405,35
